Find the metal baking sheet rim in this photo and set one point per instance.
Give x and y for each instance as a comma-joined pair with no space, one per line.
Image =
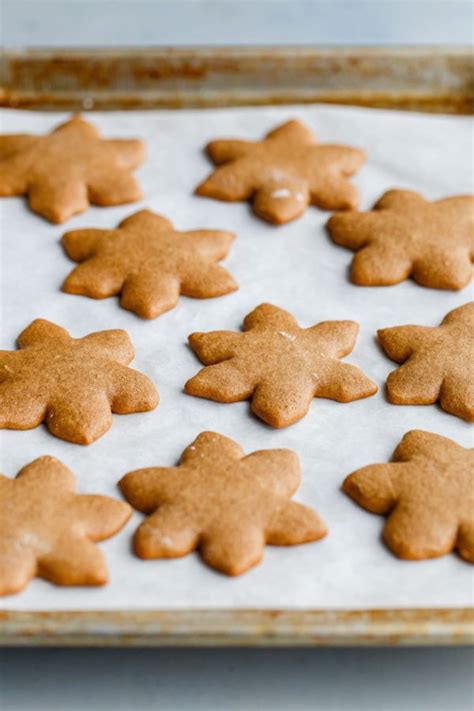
252,628
431,79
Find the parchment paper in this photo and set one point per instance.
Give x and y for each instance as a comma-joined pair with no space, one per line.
296,267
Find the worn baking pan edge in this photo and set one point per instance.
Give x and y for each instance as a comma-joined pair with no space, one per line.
257,628
435,79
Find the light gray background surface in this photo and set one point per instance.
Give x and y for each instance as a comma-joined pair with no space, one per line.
382,680
219,22
237,680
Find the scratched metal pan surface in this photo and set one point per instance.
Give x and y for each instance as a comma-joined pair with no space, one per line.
435,79
421,79
259,628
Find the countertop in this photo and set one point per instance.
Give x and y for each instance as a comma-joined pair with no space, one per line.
228,680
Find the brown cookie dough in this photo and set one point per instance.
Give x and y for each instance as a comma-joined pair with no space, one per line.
72,384
284,173
438,363
221,502
405,235
64,171
148,263
280,366
47,530
427,492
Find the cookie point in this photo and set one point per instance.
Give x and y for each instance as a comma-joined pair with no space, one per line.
195,338
209,435
98,577
47,459
349,486
126,512
323,530
332,221
54,215
12,589
202,189
273,419
125,481
372,388
228,236
153,399
189,387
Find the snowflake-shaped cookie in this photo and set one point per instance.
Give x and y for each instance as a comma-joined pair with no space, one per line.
47,530
69,168
73,384
284,173
438,363
427,492
221,502
148,263
279,365
405,235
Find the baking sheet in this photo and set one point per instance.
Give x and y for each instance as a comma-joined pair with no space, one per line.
296,267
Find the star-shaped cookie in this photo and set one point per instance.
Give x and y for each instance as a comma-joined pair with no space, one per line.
47,530
405,235
221,502
72,384
284,173
64,171
427,492
279,365
438,363
148,263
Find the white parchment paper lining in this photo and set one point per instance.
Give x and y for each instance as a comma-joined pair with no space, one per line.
296,267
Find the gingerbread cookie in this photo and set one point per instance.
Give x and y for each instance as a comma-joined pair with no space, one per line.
427,492
438,363
221,502
72,384
47,530
148,263
69,168
279,365
405,235
284,173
